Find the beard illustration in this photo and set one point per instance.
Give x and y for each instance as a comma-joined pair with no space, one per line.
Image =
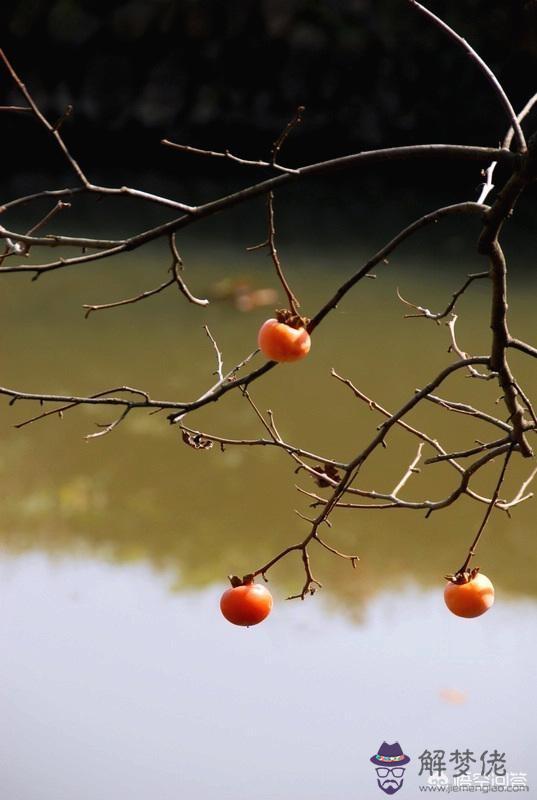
390,785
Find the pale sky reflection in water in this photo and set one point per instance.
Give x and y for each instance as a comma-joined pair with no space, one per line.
118,679
113,688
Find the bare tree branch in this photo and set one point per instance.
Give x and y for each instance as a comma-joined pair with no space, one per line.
485,69
177,264
427,219
424,312
197,151
129,300
521,116
471,552
294,305
289,128
46,124
522,346
461,354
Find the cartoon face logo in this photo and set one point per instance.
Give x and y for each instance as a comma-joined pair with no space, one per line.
390,763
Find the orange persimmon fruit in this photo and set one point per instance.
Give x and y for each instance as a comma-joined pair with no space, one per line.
470,599
281,342
247,604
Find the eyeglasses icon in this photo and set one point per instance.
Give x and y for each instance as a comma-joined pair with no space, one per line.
383,772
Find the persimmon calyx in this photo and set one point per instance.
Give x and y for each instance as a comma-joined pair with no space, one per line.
462,577
287,317
236,581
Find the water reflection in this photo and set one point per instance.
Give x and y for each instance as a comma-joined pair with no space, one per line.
112,687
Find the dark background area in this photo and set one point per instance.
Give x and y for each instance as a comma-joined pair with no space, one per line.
230,74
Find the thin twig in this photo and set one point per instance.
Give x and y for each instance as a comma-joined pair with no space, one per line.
177,263
520,496
219,359
291,125
46,124
461,354
522,346
527,402
66,114
198,151
426,313
487,186
110,427
17,109
485,69
353,559
137,298
521,116
98,191
272,442
472,451
294,305
473,546
464,408
412,469
488,173
60,206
